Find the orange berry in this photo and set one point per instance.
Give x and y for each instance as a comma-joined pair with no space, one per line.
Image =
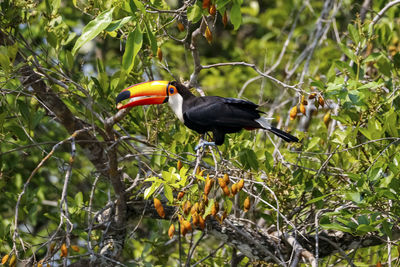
327,118
206,4
226,191
64,250
247,204
180,195
321,101
225,19
186,207
171,231
215,208
202,223
234,189
75,248
302,109
159,54
312,95
293,113
159,207
208,35
240,184
5,259
226,178
181,27
212,10
179,165
221,182
208,187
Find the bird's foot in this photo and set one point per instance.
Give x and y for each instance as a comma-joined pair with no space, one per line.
203,144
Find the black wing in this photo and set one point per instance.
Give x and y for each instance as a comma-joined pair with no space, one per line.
230,114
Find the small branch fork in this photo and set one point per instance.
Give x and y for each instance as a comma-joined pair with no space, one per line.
63,205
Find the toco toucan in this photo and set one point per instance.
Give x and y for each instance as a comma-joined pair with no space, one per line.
202,114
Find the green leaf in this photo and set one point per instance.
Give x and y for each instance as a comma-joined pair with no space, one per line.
221,3
345,68
337,227
354,196
396,60
140,6
117,24
349,53
236,16
150,190
318,198
93,28
133,45
79,199
152,39
194,13
355,37
168,193
372,57
386,228
364,228
391,123
384,66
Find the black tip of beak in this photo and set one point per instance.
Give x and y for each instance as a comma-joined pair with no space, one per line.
122,96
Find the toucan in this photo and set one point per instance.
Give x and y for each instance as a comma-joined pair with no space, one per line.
202,114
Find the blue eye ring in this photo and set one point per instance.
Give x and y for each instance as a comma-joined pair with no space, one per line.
171,90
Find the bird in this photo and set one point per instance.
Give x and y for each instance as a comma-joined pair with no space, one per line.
203,114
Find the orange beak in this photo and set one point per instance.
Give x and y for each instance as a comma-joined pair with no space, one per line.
147,93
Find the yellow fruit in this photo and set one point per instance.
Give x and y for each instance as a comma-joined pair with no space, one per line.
208,187
180,195
225,19
13,261
159,207
186,207
181,27
327,118
195,219
247,204
202,223
187,225
240,184
293,113
312,95
195,208
212,10
221,182
226,191
321,101
226,178
179,165
206,4
171,231
208,35
64,250
201,173
159,54
302,109
5,259
75,248
234,189
205,199
215,208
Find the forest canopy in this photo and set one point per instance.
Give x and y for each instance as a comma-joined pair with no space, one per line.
85,184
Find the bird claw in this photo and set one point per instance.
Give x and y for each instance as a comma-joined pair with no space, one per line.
203,144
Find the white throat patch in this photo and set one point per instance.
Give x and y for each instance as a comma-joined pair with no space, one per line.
175,102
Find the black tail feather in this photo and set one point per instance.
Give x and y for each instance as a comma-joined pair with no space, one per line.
284,135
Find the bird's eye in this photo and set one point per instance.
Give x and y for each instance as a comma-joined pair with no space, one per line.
171,90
